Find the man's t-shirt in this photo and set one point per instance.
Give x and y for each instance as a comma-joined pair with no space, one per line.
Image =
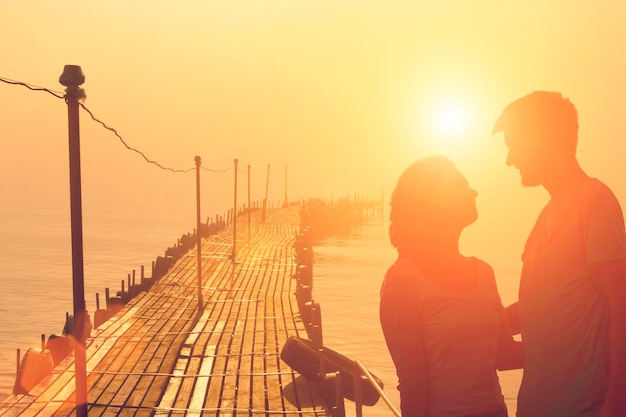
563,308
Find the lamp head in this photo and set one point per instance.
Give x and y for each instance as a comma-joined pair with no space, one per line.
72,76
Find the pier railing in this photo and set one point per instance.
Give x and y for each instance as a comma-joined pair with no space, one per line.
335,395
359,370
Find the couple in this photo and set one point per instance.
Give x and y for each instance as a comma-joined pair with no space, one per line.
442,317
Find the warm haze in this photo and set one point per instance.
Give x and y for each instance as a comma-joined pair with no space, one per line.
346,93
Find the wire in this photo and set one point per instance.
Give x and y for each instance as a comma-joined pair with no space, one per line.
245,171
57,94
130,148
216,170
61,95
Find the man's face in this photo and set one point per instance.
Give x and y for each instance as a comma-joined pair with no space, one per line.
527,153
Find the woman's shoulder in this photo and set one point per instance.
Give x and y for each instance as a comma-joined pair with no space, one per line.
401,282
480,266
404,273
484,273
402,268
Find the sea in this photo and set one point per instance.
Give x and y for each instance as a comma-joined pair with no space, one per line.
36,271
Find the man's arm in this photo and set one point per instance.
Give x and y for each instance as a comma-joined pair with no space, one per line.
510,351
613,275
512,315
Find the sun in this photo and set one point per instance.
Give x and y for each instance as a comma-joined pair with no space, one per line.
450,119
445,121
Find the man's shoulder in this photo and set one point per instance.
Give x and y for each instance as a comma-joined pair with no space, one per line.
595,187
591,192
599,195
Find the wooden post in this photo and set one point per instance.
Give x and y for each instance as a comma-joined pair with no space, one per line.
18,373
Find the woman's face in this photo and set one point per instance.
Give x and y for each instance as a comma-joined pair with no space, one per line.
432,198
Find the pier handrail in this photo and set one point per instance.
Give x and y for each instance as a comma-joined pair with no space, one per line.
378,389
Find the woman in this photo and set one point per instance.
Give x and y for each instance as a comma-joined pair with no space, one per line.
440,311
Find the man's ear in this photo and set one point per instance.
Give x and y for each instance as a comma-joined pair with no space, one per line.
544,138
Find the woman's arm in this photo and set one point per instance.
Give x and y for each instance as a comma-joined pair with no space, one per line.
401,327
510,352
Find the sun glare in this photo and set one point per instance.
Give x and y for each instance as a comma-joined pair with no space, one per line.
450,120
445,118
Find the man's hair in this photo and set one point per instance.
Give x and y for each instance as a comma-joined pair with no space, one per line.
547,110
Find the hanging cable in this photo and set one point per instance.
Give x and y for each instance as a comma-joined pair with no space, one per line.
216,170
61,95
130,148
57,94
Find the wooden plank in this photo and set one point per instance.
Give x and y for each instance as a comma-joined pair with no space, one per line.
202,382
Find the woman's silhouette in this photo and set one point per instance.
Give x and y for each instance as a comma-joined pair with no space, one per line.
440,311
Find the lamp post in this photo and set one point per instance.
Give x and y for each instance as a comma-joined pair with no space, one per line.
199,235
249,208
286,200
267,186
234,254
72,78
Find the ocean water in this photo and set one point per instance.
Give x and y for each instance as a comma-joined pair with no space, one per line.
36,269
35,266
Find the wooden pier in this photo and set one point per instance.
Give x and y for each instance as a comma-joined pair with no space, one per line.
160,356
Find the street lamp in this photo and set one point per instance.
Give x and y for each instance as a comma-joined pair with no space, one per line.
72,78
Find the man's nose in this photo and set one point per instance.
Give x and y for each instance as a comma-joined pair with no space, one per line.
509,159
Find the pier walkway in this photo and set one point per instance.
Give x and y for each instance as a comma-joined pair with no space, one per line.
158,356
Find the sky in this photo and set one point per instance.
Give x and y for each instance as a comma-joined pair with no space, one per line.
337,96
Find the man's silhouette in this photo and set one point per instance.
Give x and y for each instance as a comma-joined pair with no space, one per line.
572,296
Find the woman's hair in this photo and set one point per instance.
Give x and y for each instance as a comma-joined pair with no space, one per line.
414,200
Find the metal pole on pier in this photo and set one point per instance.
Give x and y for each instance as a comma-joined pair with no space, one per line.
235,216
249,208
72,78
267,185
199,234
286,202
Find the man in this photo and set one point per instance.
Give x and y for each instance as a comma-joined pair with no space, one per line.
572,296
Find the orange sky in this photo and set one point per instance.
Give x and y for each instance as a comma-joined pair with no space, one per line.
345,92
